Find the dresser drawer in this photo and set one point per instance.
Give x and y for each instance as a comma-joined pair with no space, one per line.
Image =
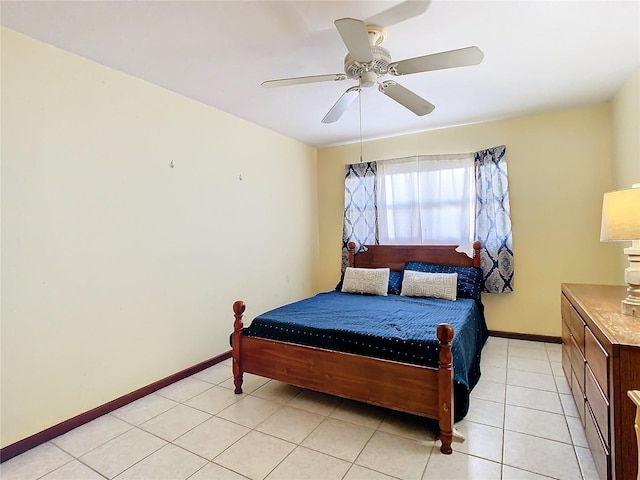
577,328
578,397
599,451
598,360
565,309
577,362
599,405
566,346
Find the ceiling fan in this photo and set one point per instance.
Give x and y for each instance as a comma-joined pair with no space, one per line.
367,62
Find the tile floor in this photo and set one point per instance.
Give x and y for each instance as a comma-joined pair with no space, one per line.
522,424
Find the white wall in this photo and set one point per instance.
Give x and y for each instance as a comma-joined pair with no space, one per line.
118,270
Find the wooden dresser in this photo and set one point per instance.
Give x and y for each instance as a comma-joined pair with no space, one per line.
601,360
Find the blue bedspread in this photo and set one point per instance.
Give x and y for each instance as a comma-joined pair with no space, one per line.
392,327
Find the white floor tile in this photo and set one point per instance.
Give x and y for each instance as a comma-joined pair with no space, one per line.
486,412
493,360
250,411
214,400
533,398
168,463
144,409
562,385
85,438
528,352
540,381
340,439
34,463
585,460
315,402
530,365
277,392
556,368
175,422
538,423
511,473
577,431
492,391
184,389
215,374
397,456
211,438
213,471
496,345
461,466
122,452
357,472
539,455
480,440
359,413
73,471
291,424
255,455
492,373
569,405
515,345
306,464
409,426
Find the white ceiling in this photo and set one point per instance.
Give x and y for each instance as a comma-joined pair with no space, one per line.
539,56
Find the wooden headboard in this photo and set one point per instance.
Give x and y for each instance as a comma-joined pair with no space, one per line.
395,256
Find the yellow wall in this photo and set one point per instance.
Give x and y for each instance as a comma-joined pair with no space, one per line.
625,121
118,270
625,133
559,166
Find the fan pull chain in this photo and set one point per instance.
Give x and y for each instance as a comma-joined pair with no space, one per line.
360,109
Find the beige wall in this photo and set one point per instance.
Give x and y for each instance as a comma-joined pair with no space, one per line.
559,167
625,122
625,133
118,270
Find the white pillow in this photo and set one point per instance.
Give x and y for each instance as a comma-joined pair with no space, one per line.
374,281
427,284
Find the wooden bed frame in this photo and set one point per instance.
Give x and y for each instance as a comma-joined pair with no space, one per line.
415,389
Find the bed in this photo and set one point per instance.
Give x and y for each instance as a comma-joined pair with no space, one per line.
306,345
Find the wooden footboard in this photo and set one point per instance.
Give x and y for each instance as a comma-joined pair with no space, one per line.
414,389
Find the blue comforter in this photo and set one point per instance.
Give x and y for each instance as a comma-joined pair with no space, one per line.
392,327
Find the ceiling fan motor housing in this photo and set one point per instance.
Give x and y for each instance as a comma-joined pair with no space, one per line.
380,64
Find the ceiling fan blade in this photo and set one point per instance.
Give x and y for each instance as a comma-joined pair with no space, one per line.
437,61
283,82
356,38
399,13
341,106
406,97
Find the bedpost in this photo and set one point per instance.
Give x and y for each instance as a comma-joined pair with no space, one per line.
445,387
351,246
236,344
476,253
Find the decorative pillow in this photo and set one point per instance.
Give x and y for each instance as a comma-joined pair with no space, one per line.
469,278
424,284
395,283
374,281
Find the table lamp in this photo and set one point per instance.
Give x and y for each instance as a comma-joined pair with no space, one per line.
621,222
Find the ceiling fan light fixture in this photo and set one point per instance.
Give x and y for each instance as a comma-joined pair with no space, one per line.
368,79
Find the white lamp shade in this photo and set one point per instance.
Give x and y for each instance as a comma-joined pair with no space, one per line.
621,215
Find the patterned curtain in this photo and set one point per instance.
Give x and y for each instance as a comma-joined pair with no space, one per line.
360,208
493,223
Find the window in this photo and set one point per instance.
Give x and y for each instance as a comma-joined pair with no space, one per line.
427,200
